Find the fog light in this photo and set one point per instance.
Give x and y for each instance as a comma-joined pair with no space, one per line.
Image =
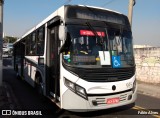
94,102
129,97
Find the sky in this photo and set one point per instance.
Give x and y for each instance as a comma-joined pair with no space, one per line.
22,15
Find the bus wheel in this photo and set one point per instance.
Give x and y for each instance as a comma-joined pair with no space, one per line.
39,85
18,76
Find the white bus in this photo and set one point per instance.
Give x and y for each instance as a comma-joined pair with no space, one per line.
81,57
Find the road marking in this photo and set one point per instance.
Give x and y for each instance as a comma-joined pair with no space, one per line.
144,109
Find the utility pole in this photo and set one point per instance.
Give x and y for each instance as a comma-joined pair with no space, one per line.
130,10
1,39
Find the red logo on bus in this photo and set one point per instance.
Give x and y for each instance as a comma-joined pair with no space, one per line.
91,33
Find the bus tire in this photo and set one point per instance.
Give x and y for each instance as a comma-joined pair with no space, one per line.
38,87
18,76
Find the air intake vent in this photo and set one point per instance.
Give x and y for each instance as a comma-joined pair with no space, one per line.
104,74
102,101
108,75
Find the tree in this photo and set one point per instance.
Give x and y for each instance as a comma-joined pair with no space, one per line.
9,39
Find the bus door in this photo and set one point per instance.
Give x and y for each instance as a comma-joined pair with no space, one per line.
53,62
22,58
19,58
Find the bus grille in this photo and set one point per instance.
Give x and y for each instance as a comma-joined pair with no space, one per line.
104,74
102,101
107,75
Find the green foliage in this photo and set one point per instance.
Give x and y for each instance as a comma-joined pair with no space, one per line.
9,39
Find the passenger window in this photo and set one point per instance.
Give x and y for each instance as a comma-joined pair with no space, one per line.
27,40
40,41
33,44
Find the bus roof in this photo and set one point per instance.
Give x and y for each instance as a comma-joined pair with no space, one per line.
100,8
59,12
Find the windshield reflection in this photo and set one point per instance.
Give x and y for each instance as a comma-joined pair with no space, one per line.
83,46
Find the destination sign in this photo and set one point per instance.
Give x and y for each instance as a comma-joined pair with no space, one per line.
96,14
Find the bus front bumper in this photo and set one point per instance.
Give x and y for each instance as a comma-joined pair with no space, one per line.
73,102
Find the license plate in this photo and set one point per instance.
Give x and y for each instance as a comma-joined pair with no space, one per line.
112,100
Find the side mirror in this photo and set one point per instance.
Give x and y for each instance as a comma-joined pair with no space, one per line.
61,33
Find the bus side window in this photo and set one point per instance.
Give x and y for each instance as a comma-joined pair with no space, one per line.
40,41
27,41
33,44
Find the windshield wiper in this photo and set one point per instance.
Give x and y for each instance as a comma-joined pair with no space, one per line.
95,33
93,30
89,25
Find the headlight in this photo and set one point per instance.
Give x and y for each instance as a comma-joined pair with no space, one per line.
81,91
70,84
76,88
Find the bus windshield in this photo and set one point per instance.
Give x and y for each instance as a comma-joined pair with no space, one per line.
84,45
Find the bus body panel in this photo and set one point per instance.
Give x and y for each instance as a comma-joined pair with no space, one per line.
65,74
96,92
73,102
106,87
31,68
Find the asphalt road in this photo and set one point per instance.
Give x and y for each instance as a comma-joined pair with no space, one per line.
25,98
